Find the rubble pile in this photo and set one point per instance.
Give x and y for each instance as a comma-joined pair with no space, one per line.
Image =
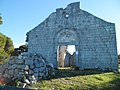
28,67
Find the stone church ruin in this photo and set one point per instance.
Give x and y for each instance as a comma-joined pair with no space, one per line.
94,42
94,39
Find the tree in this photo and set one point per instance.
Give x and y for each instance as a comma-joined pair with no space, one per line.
6,48
119,56
0,20
21,49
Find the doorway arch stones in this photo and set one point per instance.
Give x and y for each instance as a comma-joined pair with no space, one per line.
66,37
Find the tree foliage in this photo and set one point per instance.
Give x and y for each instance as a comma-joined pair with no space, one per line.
0,20
119,56
21,49
6,48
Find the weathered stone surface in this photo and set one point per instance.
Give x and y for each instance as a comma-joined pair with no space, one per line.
36,75
36,62
31,72
37,65
41,69
94,38
26,69
29,62
0,75
32,78
20,61
13,58
12,61
26,72
16,71
13,66
31,66
11,72
21,73
36,70
27,81
41,74
6,75
20,66
20,57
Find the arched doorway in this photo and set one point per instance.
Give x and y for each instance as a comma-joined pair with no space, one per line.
63,39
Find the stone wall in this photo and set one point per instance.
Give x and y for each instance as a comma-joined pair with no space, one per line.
69,60
94,38
62,52
28,66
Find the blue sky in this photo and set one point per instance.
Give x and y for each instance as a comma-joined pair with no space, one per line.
20,16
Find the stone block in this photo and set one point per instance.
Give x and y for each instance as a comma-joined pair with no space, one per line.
13,57
31,72
27,81
20,66
32,78
46,72
23,67
20,57
26,72
13,66
41,64
37,65
11,72
16,71
41,69
26,67
29,62
41,74
6,71
36,70
36,74
31,66
0,75
6,75
20,61
36,62
21,73
5,65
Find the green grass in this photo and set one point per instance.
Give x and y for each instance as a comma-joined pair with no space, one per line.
119,66
68,79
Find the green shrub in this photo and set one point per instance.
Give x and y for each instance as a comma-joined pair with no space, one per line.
6,48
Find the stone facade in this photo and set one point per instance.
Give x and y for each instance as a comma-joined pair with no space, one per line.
94,38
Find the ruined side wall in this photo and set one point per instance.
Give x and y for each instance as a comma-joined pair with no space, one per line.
25,67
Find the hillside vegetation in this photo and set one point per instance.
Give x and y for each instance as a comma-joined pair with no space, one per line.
6,48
